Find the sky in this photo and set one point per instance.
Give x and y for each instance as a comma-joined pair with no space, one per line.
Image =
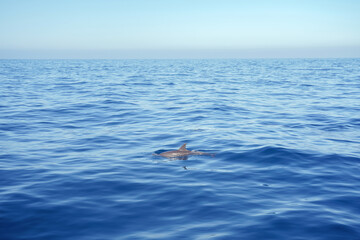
179,28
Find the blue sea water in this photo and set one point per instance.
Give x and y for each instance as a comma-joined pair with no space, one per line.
77,139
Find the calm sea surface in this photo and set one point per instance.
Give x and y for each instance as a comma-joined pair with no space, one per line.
77,139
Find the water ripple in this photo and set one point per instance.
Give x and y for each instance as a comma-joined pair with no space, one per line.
77,138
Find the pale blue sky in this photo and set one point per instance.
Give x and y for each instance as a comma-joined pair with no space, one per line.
179,28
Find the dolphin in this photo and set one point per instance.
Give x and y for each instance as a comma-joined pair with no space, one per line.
182,153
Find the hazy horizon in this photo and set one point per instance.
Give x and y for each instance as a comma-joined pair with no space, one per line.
94,29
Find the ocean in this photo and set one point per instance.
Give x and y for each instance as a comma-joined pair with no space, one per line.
79,138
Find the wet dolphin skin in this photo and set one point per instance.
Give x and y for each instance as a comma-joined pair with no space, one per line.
182,152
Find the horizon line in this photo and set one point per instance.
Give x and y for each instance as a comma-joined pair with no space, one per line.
186,53
214,58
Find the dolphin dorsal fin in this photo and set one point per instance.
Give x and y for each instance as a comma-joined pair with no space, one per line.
183,147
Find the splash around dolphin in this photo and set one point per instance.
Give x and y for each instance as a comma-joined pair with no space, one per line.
182,153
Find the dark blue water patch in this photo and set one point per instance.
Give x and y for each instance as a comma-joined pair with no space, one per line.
343,140
97,141
62,111
110,101
12,127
